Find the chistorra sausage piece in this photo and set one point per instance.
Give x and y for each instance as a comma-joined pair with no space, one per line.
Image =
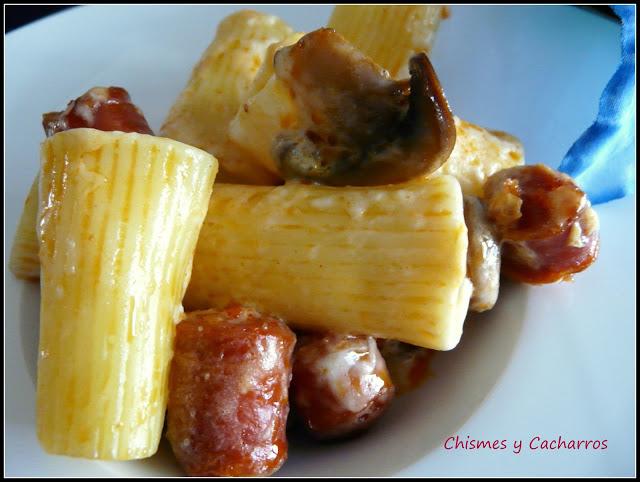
102,108
545,223
228,393
408,365
483,257
340,383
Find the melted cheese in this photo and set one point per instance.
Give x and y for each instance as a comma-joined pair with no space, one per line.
352,375
575,236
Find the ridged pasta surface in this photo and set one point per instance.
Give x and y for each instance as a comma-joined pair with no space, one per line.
389,34
479,153
24,261
219,84
118,222
387,261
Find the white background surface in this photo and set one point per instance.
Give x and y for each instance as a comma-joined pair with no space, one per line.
549,361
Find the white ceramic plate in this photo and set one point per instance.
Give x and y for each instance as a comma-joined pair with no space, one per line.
549,361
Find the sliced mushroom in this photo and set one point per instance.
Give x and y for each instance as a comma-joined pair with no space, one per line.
483,256
358,126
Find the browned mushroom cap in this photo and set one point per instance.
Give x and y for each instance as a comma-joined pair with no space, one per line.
358,126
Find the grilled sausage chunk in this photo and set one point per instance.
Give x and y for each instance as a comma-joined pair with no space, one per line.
340,384
228,393
545,223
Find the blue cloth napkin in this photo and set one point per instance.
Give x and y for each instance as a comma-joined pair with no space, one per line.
597,160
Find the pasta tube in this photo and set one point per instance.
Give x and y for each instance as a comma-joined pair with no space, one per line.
219,84
118,221
479,153
387,261
24,262
389,34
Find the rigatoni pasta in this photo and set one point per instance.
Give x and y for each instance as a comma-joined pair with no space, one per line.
118,221
479,153
386,261
24,261
389,34
218,86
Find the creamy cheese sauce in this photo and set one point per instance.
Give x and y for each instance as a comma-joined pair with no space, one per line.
341,368
85,113
575,236
323,202
357,207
